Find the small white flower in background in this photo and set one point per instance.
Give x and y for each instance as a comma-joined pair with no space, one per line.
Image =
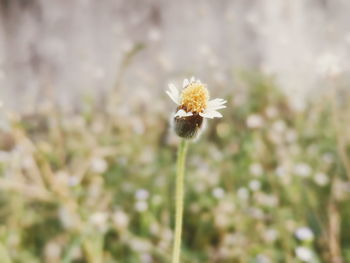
67,219
255,121
291,136
341,189
222,220
281,171
146,258
120,219
321,179
140,245
279,126
297,103
231,239
141,194
268,200
328,158
275,137
28,162
193,107
226,206
271,235
200,187
167,234
302,170
53,251
260,258
73,180
254,185
271,112
99,219
243,193
99,165
304,234
304,254
256,212
256,169
155,228
141,206
218,192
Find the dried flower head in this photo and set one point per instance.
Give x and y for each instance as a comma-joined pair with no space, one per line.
193,106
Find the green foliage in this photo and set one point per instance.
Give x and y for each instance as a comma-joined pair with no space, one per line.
90,187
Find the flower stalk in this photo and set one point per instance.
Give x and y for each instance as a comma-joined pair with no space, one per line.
179,199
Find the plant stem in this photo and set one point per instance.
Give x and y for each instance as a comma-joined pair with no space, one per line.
179,197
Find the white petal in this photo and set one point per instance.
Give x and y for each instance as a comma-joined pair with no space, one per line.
173,98
174,94
211,114
216,102
173,89
185,83
182,113
193,79
209,108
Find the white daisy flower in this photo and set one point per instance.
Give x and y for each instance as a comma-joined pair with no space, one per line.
255,121
193,107
304,234
304,254
302,169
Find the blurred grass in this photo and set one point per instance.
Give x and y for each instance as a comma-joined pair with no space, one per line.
97,186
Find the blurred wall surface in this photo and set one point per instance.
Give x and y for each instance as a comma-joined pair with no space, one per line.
61,49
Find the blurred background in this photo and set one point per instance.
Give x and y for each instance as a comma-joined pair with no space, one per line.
87,158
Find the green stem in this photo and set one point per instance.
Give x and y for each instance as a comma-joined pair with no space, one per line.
180,171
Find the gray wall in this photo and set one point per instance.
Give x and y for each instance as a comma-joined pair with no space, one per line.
60,49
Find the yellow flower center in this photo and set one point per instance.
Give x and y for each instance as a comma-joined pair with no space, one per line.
195,97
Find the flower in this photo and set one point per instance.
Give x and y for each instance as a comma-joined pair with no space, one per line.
254,185
260,258
141,194
302,169
120,219
304,234
99,165
218,192
243,193
193,107
141,206
256,169
321,179
304,254
99,220
271,235
254,121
